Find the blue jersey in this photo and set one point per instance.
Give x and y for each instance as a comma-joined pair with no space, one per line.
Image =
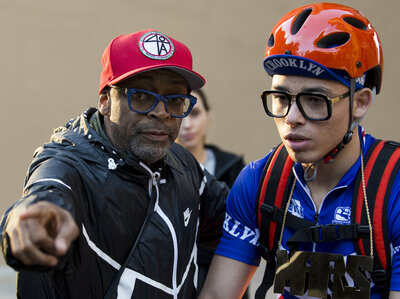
241,233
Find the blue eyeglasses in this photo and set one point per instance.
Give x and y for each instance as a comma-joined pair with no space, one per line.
143,101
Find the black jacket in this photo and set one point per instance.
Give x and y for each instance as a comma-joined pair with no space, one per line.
110,198
228,165
227,168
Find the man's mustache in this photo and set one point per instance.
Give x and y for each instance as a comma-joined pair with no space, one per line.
141,128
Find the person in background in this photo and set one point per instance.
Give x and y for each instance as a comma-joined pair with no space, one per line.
225,166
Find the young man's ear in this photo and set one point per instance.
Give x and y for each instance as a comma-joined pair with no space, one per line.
362,100
104,103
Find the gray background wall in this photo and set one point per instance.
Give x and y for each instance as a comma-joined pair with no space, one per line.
50,65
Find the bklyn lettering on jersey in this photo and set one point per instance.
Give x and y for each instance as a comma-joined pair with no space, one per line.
238,230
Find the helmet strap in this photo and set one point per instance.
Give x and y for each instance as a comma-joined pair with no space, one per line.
349,134
311,171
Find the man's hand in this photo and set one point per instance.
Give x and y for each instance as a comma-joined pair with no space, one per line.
41,233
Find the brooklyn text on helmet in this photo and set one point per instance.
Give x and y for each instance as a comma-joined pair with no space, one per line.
273,64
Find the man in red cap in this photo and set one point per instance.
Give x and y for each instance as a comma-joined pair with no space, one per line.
110,206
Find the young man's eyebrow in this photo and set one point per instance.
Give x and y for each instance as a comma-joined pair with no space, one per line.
319,89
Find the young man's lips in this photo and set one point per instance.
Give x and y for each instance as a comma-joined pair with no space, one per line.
296,142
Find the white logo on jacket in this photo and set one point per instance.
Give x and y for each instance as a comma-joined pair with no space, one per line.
296,209
111,164
342,215
186,216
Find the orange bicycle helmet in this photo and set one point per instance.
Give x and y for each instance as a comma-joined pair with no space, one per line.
327,41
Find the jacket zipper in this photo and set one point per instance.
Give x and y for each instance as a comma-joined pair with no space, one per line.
154,181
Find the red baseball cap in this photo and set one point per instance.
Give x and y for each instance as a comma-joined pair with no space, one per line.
146,50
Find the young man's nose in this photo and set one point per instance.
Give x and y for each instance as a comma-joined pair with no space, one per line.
294,115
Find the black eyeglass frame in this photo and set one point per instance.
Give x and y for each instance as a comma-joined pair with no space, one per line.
289,96
164,98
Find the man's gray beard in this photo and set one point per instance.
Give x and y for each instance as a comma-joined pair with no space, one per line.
149,152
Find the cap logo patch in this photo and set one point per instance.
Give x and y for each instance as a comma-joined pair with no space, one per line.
156,45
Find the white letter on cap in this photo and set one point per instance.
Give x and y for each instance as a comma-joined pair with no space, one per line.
302,66
277,63
292,62
270,65
311,66
284,62
318,71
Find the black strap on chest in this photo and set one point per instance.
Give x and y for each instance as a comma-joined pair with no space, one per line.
380,171
381,166
278,176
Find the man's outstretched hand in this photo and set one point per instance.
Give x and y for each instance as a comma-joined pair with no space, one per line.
40,233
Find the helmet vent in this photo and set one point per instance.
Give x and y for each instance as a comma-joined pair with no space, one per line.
333,40
300,19
355,23
271,41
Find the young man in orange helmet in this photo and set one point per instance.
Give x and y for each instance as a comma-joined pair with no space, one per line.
304,206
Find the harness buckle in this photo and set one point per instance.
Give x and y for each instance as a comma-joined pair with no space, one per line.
265,253
362,231
266,209
324,233
380,278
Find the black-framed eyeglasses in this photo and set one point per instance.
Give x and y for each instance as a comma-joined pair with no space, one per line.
143,101
312,105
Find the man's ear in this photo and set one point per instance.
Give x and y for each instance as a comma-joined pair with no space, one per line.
104,104
362,100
